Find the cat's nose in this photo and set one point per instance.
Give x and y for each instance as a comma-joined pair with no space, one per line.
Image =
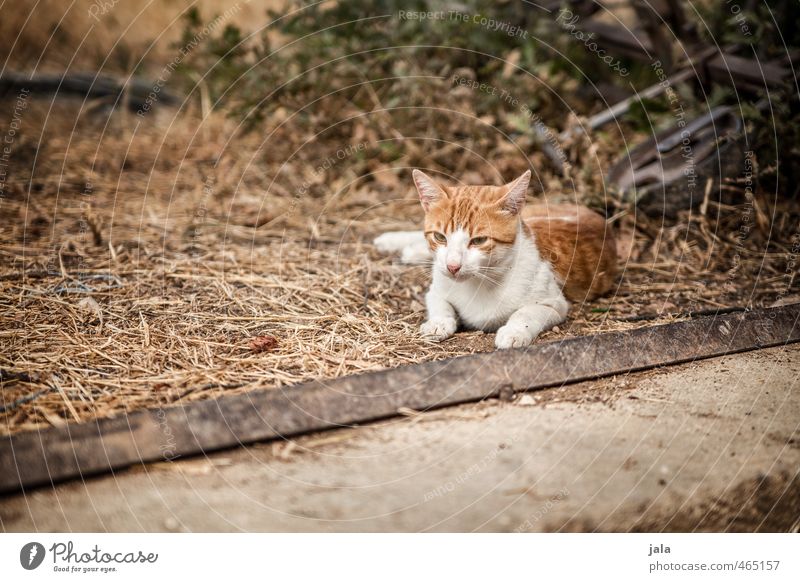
453,268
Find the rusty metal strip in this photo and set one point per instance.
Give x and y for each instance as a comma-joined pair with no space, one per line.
78,450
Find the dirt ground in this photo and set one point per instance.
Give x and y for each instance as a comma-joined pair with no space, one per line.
708,446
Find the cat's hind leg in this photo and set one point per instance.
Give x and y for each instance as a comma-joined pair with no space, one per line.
411,245
396,241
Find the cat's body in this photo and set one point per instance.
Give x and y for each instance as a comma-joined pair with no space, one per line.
500,267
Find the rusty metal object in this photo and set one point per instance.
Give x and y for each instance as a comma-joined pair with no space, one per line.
132,92
651,44
670,171
706,63
746,74
714,63
80,450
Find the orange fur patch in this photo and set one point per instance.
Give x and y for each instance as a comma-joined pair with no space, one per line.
476,209
575,240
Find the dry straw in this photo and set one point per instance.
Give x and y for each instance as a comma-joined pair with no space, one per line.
156,264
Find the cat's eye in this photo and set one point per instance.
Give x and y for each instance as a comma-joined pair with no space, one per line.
478,241
439,237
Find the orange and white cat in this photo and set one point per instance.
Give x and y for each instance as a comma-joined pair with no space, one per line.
499,266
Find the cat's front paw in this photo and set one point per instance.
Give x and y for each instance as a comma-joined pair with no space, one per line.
513,336
438,329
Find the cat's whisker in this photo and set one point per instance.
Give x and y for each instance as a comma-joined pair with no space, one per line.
487,277
497,275
419,263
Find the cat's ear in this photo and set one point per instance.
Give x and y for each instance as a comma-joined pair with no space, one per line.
429,191
514,196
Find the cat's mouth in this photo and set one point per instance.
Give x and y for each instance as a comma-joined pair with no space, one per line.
458,276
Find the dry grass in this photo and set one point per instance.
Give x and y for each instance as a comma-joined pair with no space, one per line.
148,288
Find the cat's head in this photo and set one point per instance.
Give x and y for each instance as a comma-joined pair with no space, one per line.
471,229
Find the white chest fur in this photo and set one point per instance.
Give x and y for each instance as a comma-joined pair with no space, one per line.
487,305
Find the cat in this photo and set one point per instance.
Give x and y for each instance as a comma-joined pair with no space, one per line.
500,266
